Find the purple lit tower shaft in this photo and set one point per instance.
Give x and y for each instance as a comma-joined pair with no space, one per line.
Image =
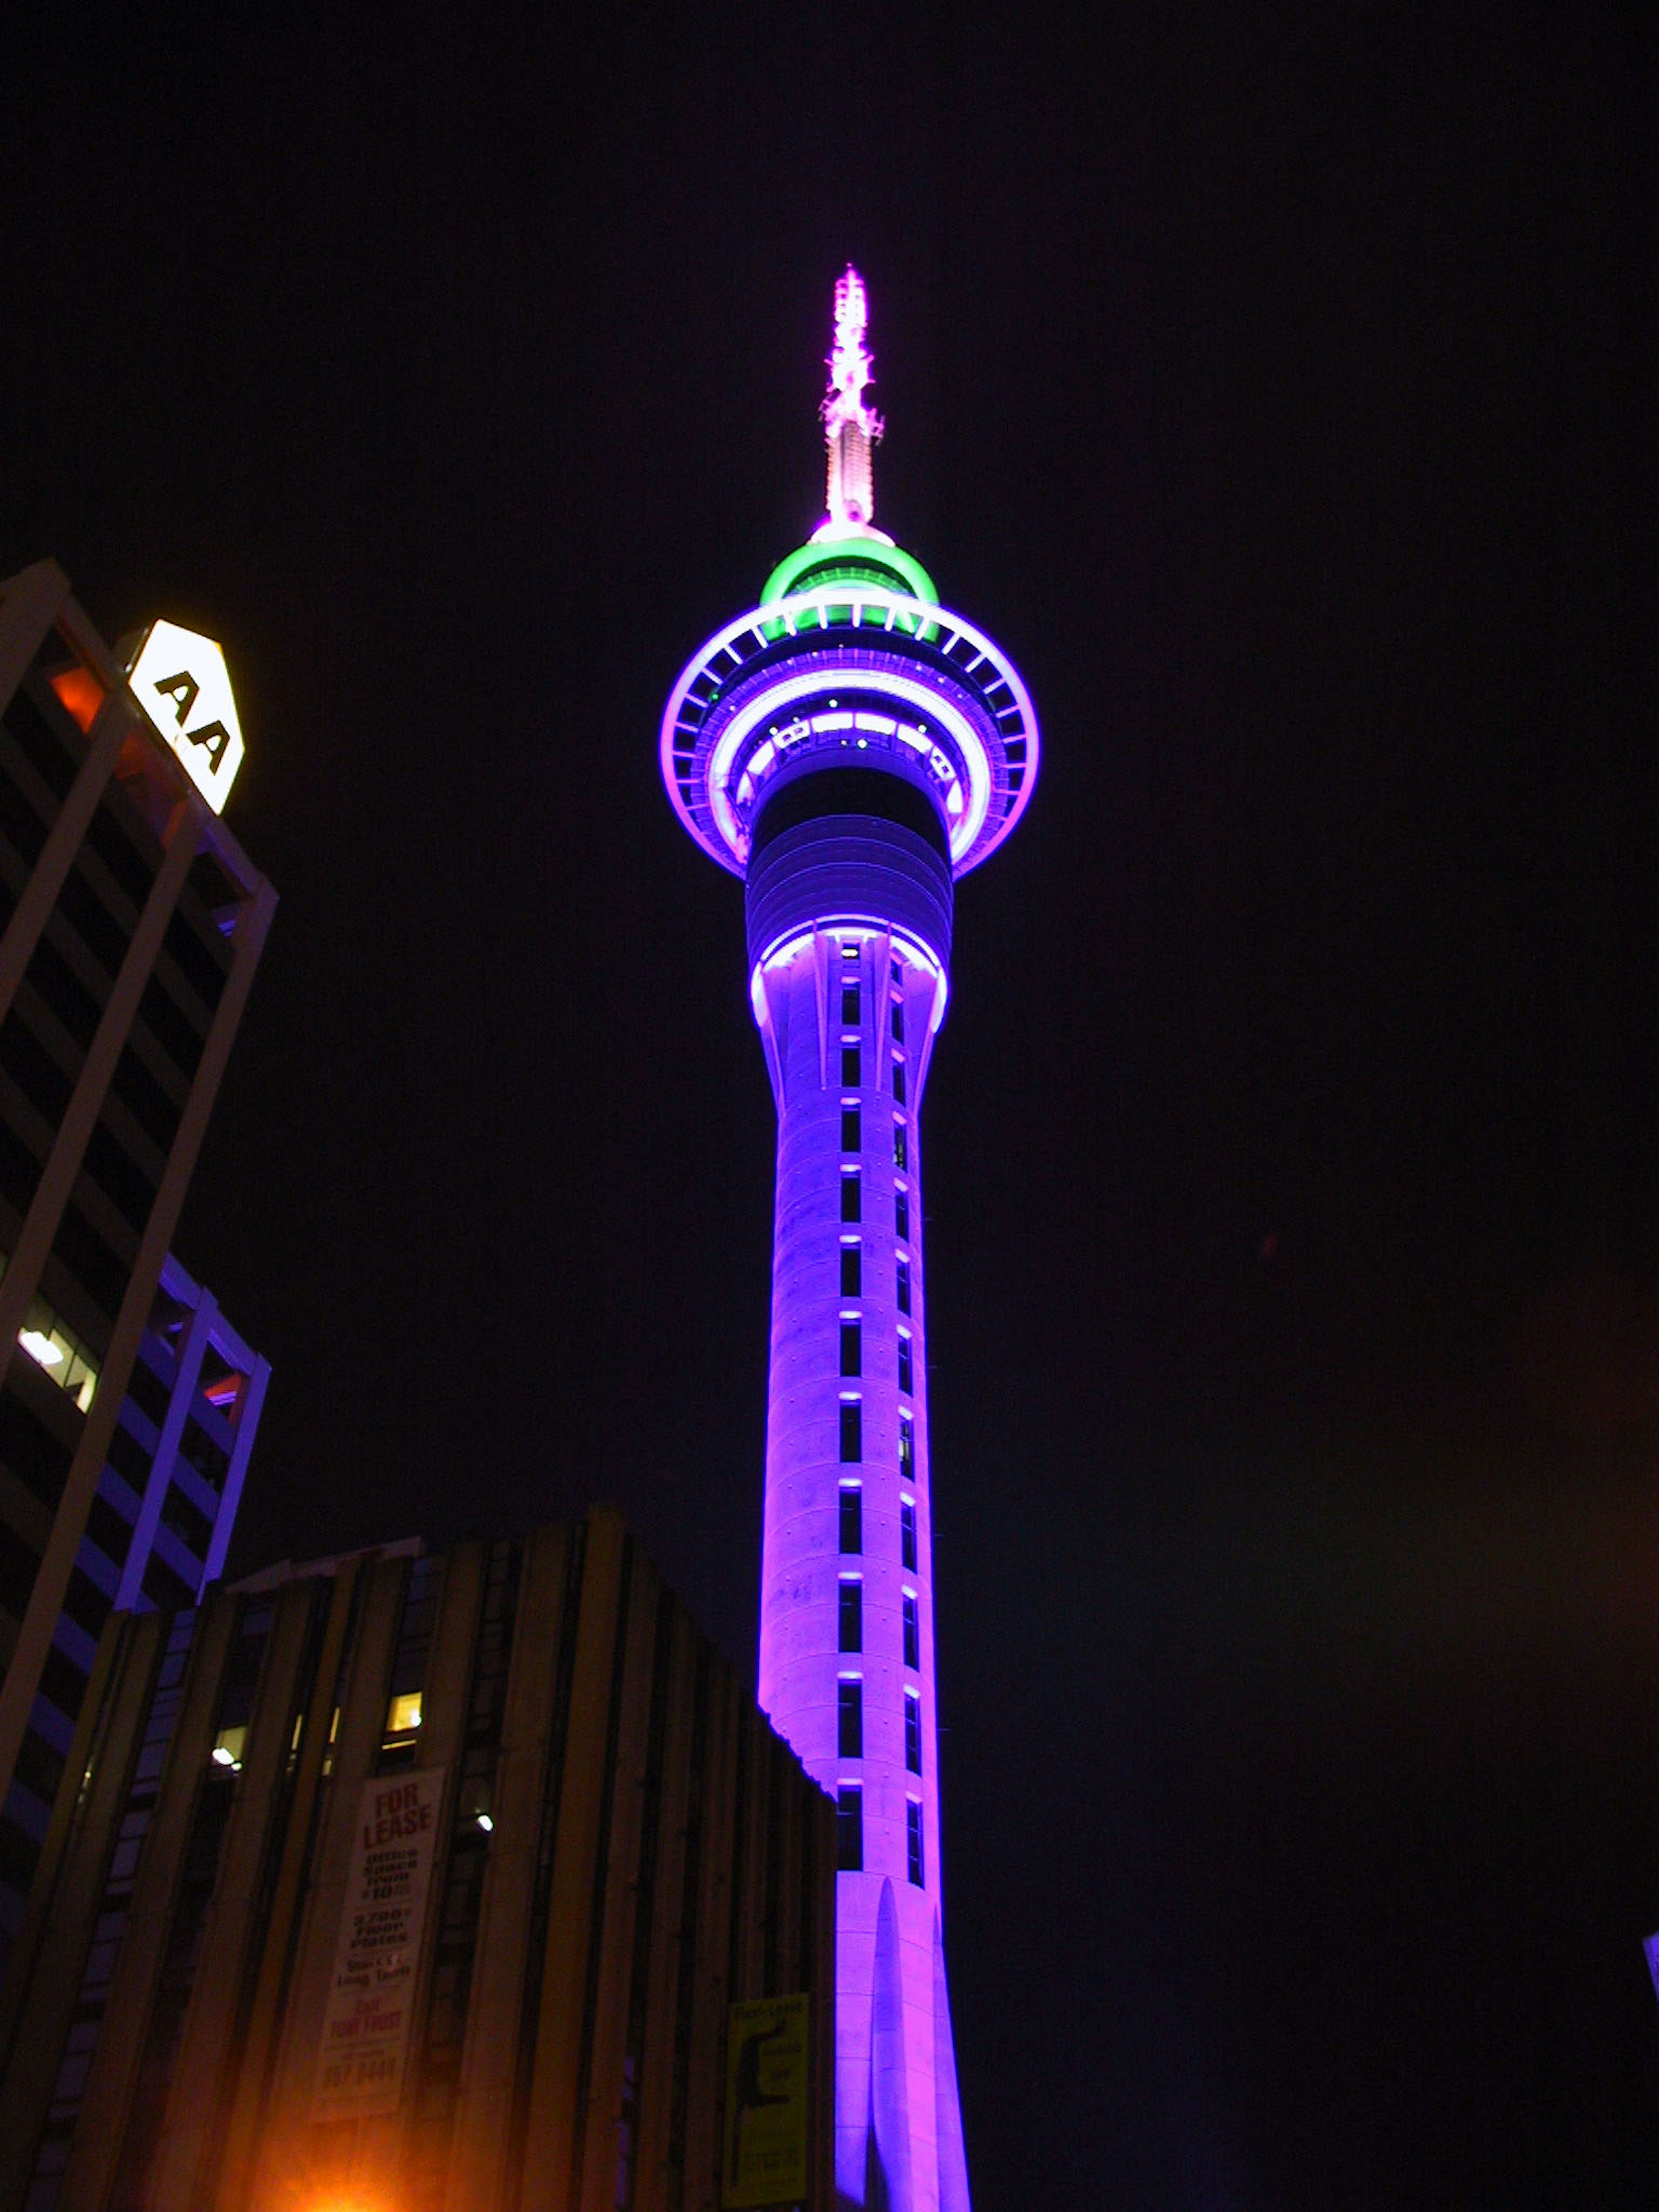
849,747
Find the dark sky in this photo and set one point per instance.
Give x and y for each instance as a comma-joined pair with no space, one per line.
1278,387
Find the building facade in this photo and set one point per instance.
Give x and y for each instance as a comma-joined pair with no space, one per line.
423,1881
130,925
849,747
157,1530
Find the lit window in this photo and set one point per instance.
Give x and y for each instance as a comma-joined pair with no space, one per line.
849,1720
906,1367
849,1831
850,1004
901,1214
852,1272
901,1149
849,951
913,1731
912,1840
851,1628
903,1284
912,1632
852,1518
898,1083
898,1021
851,1348
907,1533
849,1066
907,1448
852,1433
228,1748
850,1140
403,1714
850,1210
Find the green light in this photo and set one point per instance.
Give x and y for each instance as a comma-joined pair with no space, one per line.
849,561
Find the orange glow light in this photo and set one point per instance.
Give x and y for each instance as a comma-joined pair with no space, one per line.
81,692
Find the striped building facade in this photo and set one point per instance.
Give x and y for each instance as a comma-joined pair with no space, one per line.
521,1771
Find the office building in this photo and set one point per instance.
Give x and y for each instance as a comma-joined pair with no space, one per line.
432,1882
157,1530
849,747
130,924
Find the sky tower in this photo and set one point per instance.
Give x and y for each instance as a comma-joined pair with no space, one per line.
849,747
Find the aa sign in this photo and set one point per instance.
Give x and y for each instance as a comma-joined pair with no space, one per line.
180,681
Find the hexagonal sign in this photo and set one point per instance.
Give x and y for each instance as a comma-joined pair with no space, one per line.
179,679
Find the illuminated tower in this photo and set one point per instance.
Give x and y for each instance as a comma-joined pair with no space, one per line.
849,747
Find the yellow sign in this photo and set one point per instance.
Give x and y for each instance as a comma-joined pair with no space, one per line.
180,680
766,2085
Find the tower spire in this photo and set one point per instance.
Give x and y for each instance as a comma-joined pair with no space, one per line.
851,427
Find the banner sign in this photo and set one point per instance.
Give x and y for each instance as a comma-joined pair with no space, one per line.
366,2026
179,679
766,2096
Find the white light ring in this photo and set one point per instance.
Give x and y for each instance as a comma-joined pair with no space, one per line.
890,685
786,611
786,946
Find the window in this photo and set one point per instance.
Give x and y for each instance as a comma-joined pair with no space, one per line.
912,1840
852,1272
852,1518
901,1149
849,1066
850,1210
849,1720
898,1021
849,1831
851,1347
850,1140
851,1620
906,1367
850,1004
903,1284
901,1214
907,1448
913,1731
852,1433
898,1083
912,1631
907,1533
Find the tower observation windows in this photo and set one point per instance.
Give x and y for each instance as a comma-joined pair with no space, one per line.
849,1720
901,1214
852,1271
850,1614
898,1083
913,1731
849,1830
901,1145
849,1003
903,1275
851,1138
913,1841
852,1431
907,1448
912,1631
849,1066
907,1380
851,1531
908,1534
852,1337
850,1208
898,1021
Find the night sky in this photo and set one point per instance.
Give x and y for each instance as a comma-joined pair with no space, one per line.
1278,387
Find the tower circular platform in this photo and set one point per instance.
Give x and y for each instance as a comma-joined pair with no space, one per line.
850,673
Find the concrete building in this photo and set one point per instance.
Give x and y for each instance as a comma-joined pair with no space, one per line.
425,1882
849,747
130,924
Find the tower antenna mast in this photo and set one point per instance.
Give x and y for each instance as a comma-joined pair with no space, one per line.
851,427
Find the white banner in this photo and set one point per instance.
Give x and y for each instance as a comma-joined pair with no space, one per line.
366,2028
